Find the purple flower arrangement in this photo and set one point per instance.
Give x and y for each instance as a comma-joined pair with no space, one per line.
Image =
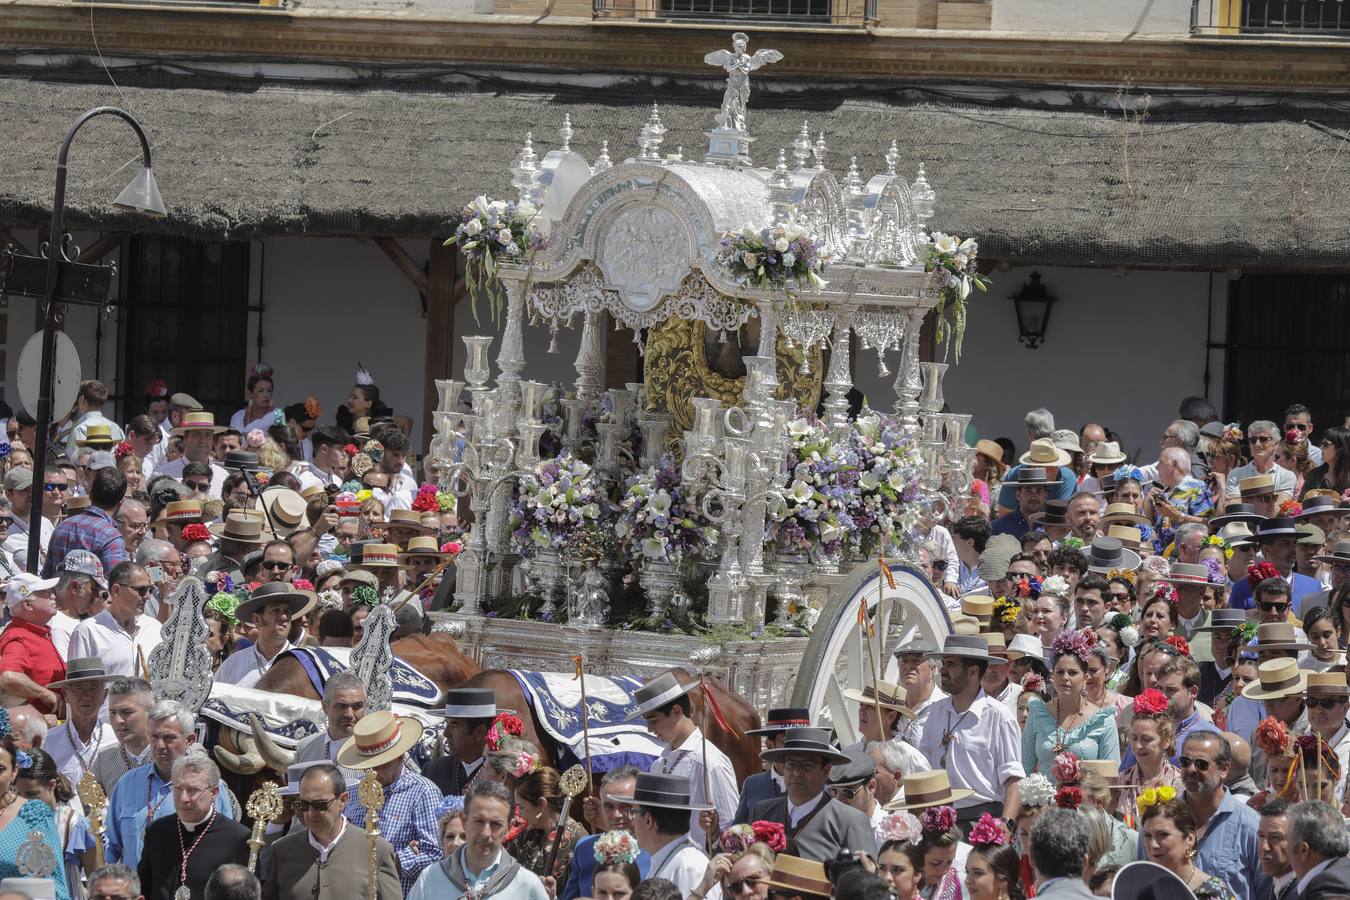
659,521
771,257
553,503
952,261
490,231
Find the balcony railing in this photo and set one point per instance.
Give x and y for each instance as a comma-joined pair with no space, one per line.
1317,18
816,13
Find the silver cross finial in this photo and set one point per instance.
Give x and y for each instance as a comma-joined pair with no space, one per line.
565,132
801,147
818,151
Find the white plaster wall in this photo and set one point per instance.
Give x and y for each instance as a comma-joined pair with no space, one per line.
1121,351
1079,16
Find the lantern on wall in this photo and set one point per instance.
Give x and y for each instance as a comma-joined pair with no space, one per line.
1033,304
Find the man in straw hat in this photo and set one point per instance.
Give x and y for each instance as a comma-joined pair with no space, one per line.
1274,641
1338,560
271,607
323,856
769,784
174,517
122,635
1190,581
1030,484
1278,539
664,704
75,742
817,825
664,805
1045,458
382,561
973,736
1328,701
1227,827
468,714
239,535
198,430
381,741
921,690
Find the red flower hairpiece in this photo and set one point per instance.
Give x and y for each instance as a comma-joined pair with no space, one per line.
1069,797
938,819
313,409
424,503
988,832
1293,436
502,725
1290,508
771,833
157,389
1150,702
1179,642
350,449
1066,768
1272,737
1033,682
196,532
122,451
1260,572
1165,591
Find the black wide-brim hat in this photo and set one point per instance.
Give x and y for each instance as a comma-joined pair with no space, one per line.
1236,512
664,791
1144,880
783,718
275,592
806,741
658,692
470,703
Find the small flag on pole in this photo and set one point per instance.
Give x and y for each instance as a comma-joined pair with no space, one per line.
886,573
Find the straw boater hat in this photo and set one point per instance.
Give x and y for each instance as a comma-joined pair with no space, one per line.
1031,477
1128,535
1043,454
85,670
1224,620
1256,485
965,646
1107,453
379,556
1109,769
794,876
180,512
981,607
1237,534
664,791
1278,636
1055,513
97,435
1237,512
998,647
1124,513
287,509
887,696
1328,684
1277,678
1187,575
992,452
1318,506
926,789
243,527
806,741
75,504
783,718
1144,880
658,692
298,601
470,703
198,421
1340,555
422,545
379,737
1108,554
407,518
313,492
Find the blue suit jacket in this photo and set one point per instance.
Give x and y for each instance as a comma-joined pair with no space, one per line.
1300,587
757,788
583,868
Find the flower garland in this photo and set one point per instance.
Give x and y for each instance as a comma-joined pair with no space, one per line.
901,826
878,472
425,499
488,231
953,261
1272,737
987,832
1070,796
313,408
156,390
526,762
1152,796
812,514
255,438
772,257
659,521
553,503
1243,633
616,848
741,837
1290,508
1123,574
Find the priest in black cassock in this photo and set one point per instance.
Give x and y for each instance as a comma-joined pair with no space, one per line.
182,850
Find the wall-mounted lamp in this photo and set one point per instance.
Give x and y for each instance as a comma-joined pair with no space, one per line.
1033,303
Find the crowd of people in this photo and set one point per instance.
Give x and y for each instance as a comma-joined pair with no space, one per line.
1147,664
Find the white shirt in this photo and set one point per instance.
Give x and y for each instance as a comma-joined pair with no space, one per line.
1285,481
686,760
312,475
795,813
402,489
81,430
683,864
247,666
325,849
62,626
16,545
63,742
913,731
174,469
121,652
1340,745
984,751
433,885
1008,696
1310,875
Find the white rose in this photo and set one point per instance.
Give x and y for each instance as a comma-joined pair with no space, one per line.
781,245
473,227
504,235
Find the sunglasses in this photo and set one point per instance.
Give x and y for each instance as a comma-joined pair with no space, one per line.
6,521
1325,702
200,487
1199,763
52,487
939,565
1260,439
1267,606
1295,425
275,565
736,888
143,591
304,806
844,793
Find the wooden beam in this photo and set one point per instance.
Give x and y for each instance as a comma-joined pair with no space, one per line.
405,263
102,247
443,293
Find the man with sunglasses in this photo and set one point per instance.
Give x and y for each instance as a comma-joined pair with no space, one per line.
121,635
1262,437
327,857
855,784
1298,417
92,528
1228,827
1278,539
19,493
1328,698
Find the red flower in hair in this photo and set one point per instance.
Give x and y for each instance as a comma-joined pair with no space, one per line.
1272,737
770,833
1260,572
1069,797
1293,436
1066,768
1167,592
424,503
196,532
1150,702
350,449
1179,642
157,389
1290,508
1033,682
122,451
502,725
